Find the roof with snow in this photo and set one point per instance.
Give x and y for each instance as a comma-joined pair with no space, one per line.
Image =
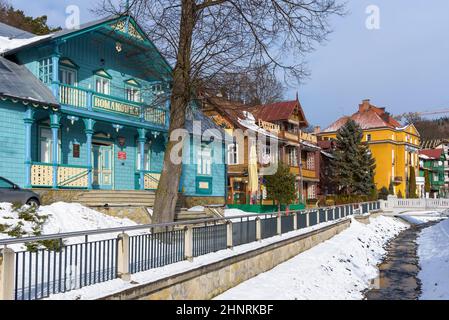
279,111
367,117
12,32
433,154
18,82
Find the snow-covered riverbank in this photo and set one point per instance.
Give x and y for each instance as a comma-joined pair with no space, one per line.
340,268
433,252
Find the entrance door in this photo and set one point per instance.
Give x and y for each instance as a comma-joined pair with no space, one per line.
102,166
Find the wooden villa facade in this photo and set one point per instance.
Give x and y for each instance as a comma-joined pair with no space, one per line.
90,110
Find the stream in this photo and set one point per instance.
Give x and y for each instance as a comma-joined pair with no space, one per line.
398,272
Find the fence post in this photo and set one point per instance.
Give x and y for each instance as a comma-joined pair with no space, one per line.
279,224
188,243
326,216
258,229
308,218
229,243
333,213
7,257
295,221
318,217
123,257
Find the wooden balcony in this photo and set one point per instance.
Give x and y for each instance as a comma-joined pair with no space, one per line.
306,173
90,100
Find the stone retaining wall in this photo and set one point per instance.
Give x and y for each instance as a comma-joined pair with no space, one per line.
208,281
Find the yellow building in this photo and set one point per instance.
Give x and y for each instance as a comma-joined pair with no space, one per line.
394,147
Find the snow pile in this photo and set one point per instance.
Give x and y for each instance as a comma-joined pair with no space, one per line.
7,44
421,217
63,217
196,209
340,268
433,253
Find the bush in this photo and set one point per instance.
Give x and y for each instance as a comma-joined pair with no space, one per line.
383,193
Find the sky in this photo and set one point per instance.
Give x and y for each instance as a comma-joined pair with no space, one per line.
403,65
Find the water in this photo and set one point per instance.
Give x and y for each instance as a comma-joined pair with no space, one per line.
398,273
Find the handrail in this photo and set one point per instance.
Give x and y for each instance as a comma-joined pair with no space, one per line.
64,235
74,178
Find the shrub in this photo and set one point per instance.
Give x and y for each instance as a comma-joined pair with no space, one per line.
383,193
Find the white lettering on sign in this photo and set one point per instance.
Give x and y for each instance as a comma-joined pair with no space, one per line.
116,106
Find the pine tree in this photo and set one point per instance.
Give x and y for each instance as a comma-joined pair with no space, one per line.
281,186
412,183
426,181
18,19
353,165
391,188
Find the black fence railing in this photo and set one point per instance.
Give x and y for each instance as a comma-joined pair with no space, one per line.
243,231
268,226
209,238
43,272
154,250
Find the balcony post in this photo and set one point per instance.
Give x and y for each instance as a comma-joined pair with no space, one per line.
54,125
89,130
28,120
55,72
142,139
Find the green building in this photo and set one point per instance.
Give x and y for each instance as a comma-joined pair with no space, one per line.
432,161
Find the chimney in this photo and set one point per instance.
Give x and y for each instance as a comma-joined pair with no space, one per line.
317,129
364,106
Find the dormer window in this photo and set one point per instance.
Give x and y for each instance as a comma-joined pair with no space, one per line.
103,82
67,72
132,90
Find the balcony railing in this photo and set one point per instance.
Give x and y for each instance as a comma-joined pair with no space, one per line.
85,99
69,176
304,136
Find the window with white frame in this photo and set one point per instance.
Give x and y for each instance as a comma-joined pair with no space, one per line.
102,85
46,70
67,76
204,166
46,145
292,157
132,93
310,161
368,137
146,157
311,191
233,153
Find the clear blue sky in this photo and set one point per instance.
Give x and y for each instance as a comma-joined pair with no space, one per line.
403,66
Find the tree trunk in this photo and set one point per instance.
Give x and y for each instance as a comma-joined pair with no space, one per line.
167,191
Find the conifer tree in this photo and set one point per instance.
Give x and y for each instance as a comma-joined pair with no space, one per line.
412,183
426,181
281,186
391,188
353,165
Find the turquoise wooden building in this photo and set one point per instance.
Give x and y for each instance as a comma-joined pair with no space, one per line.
89,109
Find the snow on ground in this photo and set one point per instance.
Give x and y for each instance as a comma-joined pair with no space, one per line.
106,288
64,217
433,253
340,268
420,217
196,209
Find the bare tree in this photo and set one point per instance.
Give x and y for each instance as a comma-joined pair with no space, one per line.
204,39
253,87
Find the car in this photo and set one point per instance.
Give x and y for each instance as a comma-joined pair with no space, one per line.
11,192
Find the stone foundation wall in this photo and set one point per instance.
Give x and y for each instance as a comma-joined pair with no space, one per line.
189,202
49,196
208,281
137,214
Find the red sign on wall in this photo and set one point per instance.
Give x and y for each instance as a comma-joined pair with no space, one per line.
121,155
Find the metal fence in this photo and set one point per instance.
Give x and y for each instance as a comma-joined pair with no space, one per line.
42,272
148,251
209,238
